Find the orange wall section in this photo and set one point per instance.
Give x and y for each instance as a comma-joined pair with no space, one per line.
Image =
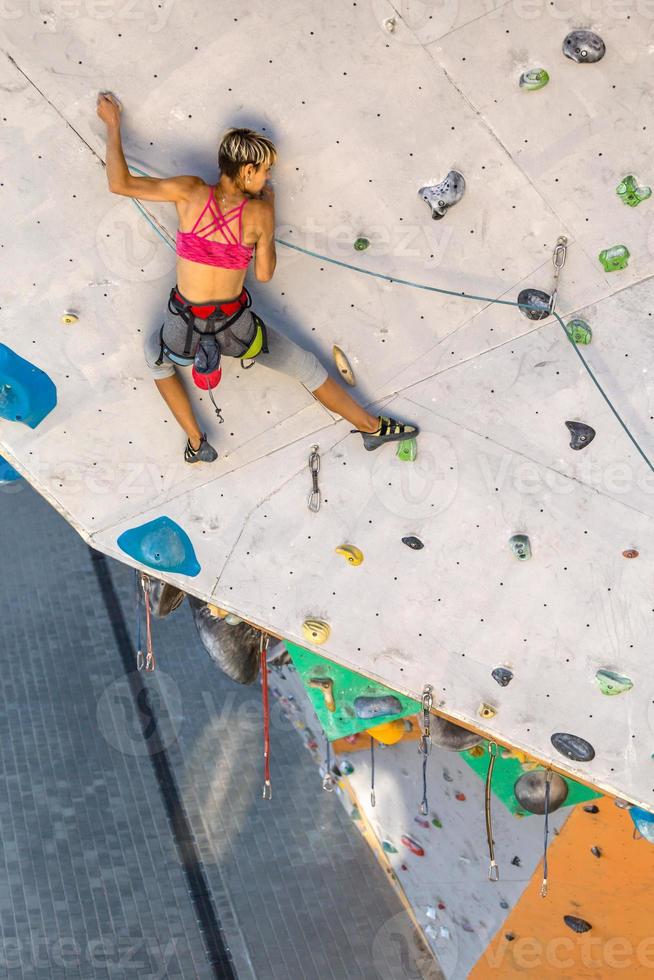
614,893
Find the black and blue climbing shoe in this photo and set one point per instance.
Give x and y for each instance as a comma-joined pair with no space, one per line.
388,430
205,453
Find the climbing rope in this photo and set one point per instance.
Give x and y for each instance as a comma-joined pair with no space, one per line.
548,779
263,649
493,870
435,289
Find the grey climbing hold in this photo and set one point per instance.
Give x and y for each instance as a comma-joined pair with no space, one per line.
504,904
235,649
502,675
581,435
516,862
611,683
595,851
577,924
573,746
441,197
452,737
591,808
537,298
530,789
413,542
520,546
374,707
164,598
584,47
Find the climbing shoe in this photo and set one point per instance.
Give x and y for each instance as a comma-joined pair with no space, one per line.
388,430
205,453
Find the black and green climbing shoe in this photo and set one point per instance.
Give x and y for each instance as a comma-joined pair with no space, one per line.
388,430
205,453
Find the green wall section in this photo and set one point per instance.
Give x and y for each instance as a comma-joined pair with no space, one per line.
346,686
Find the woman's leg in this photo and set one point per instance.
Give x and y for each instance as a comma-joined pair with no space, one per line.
175,396
333,395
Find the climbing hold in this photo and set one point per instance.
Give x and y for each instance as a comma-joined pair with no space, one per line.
235,649
477,751
343,365
413,542
643,822
422,822
509,936
217,611
447,777
354,555
573,746
516,862
436,822
534,79
577,924
69,317
441,905
388,847
460,796
630,193
502,675
326,685
520,546
537,298
26,393
611,683
581,435
504,904
530,791
487,710
355,813
346,767
595,851
232,620
375,707
389,732
452,737
161,544
164,598
591,808
413,845
407,450
623,804
615,257
315,631
441,197
584,47
430,912
361,244
630,553
7,473
579,332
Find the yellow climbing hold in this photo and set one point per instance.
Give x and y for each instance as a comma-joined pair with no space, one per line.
354,555
69,317
487,710
217,611
316,631
389,732
343,366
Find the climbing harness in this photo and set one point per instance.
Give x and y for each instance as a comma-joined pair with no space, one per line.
424,744
263,650
313,502
558,261
493,870
372,771
543,887
142,585
164,234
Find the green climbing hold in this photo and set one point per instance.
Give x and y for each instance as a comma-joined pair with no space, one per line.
361,244
407,450
630,193
615,257
534,79
519,544
388,847
611,683
436,822
579,332
355,813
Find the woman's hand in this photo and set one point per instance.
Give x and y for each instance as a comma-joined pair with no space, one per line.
109,109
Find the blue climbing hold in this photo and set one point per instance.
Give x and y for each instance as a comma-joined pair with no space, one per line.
643,822
161,544
27,394
7,473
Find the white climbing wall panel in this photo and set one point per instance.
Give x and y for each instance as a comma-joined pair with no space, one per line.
363,117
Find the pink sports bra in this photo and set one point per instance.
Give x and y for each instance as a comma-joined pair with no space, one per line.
230,254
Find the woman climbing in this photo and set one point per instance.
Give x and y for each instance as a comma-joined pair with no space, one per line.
220,227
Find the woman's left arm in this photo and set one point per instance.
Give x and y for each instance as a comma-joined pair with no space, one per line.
120,180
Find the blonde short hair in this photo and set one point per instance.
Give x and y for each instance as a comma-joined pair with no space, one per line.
238,147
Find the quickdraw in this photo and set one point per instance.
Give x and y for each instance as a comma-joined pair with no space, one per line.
493,870
424,745
263,650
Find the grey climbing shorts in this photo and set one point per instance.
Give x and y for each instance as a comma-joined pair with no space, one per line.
283,355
